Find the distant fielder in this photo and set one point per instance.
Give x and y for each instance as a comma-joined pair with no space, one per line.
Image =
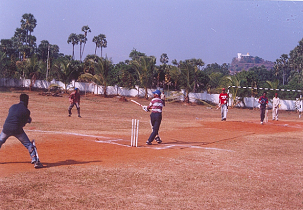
223,99
74,100
263,101
275,107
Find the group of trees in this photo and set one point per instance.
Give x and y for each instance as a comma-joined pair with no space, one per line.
21,58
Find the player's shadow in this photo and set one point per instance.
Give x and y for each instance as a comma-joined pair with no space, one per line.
67,163
59,163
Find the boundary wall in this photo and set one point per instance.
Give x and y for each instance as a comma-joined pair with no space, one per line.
250,102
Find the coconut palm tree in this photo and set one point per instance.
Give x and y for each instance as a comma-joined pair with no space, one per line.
74,39
144,67
85,29
64,70
102,68
34,67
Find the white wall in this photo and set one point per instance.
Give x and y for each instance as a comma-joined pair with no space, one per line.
250,102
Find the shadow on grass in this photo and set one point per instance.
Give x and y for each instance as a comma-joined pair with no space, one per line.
67,163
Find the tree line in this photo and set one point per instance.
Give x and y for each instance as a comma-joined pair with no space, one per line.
20,57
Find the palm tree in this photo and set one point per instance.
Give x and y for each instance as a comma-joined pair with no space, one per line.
144,67
96,40
85,29
34,68
82,39
103,42
63,68
101,69
28,23
233,81
74,39
197,64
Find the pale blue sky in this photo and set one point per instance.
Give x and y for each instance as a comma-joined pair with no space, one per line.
213,30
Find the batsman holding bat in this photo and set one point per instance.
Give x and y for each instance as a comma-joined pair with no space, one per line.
18,117
223,99
155,106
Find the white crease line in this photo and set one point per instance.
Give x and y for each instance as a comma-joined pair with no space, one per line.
75,134
113,141
196,147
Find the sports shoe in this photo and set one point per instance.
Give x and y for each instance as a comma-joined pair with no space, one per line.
79,116
69,115
261,123
159,141
38,164
148,143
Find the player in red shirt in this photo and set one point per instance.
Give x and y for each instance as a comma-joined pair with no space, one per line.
74,100
223,103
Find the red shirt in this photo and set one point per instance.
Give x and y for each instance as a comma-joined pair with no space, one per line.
223,98
74,97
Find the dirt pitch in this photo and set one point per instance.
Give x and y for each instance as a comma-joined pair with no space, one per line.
203,163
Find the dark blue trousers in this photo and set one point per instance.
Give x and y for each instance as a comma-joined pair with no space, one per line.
155,120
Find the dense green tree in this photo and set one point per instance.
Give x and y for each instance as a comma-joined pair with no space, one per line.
134,54
123,75
63,70
102,68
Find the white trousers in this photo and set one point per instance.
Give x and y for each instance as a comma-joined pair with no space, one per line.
223,111
275,113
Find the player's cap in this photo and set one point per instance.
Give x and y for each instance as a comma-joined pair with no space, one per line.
157,92
76,88
276,94
223,88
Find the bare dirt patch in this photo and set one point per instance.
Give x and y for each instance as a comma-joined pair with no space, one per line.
203,163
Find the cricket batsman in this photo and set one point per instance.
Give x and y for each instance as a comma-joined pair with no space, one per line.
18,117
223,99
155,105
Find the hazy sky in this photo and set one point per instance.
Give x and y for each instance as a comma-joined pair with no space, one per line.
213,30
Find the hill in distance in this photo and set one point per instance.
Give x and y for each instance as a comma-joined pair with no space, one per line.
245,62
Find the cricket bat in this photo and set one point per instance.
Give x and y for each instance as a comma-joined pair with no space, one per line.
143,107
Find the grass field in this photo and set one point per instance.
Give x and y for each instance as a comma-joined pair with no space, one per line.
203,163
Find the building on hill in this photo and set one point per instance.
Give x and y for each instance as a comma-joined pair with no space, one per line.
242,56
246,61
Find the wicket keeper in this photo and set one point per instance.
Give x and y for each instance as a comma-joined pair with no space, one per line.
18,117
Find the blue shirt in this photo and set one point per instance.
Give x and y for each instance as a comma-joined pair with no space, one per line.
18,116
